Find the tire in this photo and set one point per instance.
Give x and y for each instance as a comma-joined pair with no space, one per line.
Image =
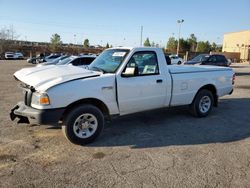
202,104
91,122
178,63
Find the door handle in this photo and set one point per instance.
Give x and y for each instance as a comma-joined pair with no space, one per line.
159,81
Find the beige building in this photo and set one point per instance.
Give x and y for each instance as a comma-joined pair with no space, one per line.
238,42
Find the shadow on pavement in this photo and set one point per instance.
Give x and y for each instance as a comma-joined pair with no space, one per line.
238,66
242,73
227,123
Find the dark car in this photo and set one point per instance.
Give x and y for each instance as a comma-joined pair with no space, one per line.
206,59
83,60
38,59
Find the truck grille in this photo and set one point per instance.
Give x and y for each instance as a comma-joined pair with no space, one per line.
27,97
27,90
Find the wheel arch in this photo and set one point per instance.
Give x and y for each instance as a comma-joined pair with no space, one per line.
212,88
92,101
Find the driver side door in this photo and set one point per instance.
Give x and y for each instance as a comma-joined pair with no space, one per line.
144,88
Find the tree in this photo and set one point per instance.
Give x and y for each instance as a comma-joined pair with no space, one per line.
213,46
86,43
203,46
107,45
172,44
55,42
192,40
7,34
184,45
147,42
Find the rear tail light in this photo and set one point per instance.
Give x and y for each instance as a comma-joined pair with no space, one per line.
233,79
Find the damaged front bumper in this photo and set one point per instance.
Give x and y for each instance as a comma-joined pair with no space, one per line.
29,115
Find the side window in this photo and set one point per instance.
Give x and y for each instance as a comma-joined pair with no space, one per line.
221,58
76,62
143,63
212,59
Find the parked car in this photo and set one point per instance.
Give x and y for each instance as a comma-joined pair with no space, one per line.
38,59
9,55
54,62
32,60
206,59
176,60
83,60
120,81
51,57
18,55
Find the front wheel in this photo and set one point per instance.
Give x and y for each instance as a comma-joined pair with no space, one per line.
202,104
83,124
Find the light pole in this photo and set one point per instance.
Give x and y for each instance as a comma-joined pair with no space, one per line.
178,45
141,35
75,39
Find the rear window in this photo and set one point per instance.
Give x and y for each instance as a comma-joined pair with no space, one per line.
87,60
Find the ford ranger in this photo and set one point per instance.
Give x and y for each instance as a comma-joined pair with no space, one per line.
118,82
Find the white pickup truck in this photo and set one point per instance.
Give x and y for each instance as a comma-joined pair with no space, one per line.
120,81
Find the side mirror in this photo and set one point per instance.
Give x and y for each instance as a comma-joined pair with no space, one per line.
129,72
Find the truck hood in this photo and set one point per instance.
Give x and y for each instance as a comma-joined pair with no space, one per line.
42,78
178,69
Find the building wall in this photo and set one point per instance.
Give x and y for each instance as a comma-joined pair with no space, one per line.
238,42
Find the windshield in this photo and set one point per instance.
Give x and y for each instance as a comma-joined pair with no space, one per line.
201,57
66,60
109,60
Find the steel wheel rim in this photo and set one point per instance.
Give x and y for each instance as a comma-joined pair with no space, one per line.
205,104
85,125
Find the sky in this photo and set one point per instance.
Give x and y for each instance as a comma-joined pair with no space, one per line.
119,22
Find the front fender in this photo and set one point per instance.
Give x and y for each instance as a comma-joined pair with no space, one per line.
102,88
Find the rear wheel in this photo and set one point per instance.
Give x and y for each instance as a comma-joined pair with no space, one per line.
179,62
202,104
83,124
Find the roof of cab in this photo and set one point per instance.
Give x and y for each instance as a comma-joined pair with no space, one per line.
132,48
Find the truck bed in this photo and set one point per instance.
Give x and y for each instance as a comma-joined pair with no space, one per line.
179,69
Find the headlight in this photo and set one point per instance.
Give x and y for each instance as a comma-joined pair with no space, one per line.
40,99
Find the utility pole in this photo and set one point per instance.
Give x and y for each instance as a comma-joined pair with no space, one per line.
178,45
74,39
141,35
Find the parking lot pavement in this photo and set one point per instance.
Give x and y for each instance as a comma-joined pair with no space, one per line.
162,148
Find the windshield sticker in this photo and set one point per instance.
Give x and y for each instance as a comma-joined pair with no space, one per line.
119,54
